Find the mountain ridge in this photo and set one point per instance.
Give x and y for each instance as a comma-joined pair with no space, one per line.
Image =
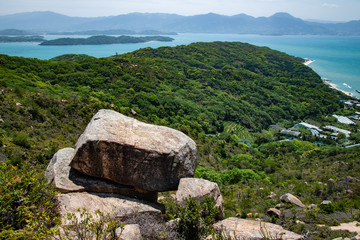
278,24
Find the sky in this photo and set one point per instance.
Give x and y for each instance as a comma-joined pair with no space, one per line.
331,10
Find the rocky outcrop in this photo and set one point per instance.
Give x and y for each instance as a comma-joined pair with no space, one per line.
130,232
130,152
288,197
351,227
67,179
238,228
311,206
118,167
115,205
198,189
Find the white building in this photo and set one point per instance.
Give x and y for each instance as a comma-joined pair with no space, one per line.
343,119
338,130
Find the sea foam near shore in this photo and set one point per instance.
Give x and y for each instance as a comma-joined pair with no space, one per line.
334,86
308,61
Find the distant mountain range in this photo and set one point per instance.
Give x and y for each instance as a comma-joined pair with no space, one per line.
278,24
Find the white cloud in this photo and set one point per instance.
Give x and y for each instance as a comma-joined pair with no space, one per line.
330,5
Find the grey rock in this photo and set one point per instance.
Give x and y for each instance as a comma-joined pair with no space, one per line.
130,232
288,197
311,206
130,152
348,191
198,189
272,195
116,205
325,202
172,223
274,212
238,228
133,112
278,206
68,180
167,197
349,179
331,181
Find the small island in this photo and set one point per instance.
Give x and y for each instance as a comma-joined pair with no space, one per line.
98,40
6,39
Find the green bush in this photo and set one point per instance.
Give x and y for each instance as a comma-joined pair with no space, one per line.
27,209
22,141
327,208
236,175
232,176
97,226
196,218
208,174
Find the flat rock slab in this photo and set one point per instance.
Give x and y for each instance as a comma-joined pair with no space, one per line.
116,205
199,189
351,227
130,152
68,180
249,229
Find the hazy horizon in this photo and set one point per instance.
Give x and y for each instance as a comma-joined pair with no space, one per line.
325,10
312,19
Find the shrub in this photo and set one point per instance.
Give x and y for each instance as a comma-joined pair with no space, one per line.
22,141
211,175
327,208
196,218
236,175
26,205
89,226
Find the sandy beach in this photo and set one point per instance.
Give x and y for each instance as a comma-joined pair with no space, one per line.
334,86
308,61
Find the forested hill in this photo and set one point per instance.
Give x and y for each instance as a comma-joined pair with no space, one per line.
98,40
195,88
218,93
236,82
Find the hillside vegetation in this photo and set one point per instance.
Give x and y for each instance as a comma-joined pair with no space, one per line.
218,93
98,40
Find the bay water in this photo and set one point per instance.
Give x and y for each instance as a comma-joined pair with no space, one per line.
336,58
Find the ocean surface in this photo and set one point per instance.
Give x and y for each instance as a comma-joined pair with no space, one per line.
336,58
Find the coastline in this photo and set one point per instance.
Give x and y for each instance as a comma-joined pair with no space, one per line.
334,86
327,81
308,61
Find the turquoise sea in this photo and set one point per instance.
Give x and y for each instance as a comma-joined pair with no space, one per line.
336,58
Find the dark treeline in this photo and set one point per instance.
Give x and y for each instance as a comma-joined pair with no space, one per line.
97,40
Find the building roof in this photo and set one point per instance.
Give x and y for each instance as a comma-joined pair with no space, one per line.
309,126
343,119
336,129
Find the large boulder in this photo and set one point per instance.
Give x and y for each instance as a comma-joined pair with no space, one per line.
238,228
115,205
68,180
288,197
130,152
198,189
